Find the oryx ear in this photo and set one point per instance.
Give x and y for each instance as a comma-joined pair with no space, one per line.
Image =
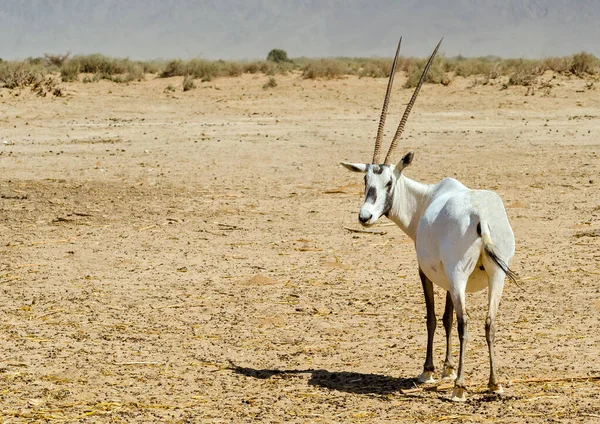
406,160
356,167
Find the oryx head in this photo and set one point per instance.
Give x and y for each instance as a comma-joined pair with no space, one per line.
380,179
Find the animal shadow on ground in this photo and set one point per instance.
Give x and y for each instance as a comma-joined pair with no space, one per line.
350,382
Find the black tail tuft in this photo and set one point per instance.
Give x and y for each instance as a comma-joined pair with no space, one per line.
491,252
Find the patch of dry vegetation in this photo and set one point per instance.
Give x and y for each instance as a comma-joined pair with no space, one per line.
95,67
20,74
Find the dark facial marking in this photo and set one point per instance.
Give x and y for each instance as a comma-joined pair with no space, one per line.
389,198
371,195
378,169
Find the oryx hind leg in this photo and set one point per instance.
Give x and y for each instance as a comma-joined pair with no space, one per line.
458,299
496,284
449,372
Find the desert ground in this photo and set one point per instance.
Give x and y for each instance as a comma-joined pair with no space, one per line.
171,256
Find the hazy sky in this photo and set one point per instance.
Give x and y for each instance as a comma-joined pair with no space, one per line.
245,29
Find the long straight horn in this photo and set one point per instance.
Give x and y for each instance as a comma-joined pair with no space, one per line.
385,107
400,129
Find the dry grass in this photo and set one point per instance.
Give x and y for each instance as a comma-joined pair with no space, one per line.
522,72
20,74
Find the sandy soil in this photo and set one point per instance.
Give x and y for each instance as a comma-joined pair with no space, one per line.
171,256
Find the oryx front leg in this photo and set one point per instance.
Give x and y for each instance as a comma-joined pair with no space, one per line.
496,279
449,372
428,368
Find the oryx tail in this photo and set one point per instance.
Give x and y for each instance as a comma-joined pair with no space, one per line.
492,251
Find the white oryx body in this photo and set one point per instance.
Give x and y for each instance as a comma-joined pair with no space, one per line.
447,236
462,237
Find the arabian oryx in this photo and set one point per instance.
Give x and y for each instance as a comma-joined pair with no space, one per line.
463,240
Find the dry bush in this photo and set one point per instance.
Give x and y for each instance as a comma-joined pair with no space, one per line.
584,63
324,68
20,74
173,68
206,70
271,83
47,85
466,67
376,68
153,66
229,69
56,60
267,67
435,74
251,67
95,78
202,69
100,64
522,77
188,83
561,65
69,71
136,73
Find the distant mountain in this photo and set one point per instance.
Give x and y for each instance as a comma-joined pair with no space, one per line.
238,29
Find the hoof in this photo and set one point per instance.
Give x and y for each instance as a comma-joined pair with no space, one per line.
426,377
449,374
495,388
459,394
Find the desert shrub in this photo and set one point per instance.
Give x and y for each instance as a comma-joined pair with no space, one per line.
42,86
376,68
153,66
561,65
281,68
136,73
584,63
69,71
435,74
123,78
521,77
231,69
20,74
170,88
464,67
173,68
277,56
271,83
97,63
202,69
495,71
188,83
56,60
269,68
35,61
323,68
251,67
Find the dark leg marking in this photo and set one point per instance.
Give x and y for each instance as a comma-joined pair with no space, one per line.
462,336
447,320
431,320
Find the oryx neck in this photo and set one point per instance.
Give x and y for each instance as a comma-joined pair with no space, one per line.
411,198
